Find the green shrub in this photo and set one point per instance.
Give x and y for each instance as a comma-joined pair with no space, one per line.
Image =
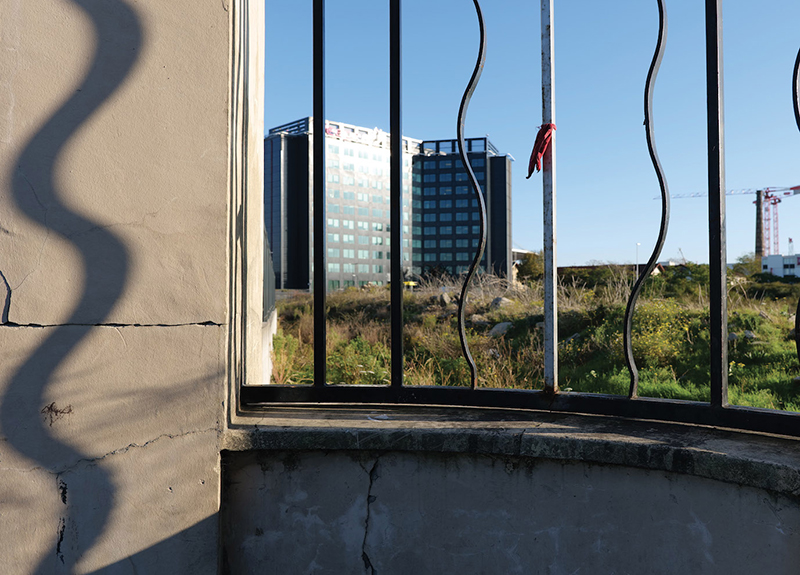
290,360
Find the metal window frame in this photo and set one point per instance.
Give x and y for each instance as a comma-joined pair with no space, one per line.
717,412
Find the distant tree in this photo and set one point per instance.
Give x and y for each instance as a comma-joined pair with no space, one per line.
747,264
531,266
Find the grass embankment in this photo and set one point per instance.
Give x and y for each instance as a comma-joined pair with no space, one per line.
670,339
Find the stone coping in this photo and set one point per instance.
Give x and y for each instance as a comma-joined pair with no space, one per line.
757,460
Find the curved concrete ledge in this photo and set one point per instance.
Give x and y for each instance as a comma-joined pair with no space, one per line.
415,490
754,460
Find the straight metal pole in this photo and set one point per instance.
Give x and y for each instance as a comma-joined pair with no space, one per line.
718,290
318,134
396,188
549,193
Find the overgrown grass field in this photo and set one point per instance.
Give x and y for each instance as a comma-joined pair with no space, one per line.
670,337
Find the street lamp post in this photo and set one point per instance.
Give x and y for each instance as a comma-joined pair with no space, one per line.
636,269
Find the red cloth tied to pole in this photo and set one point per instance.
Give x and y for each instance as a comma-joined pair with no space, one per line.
540,147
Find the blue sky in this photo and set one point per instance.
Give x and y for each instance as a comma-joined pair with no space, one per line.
605,182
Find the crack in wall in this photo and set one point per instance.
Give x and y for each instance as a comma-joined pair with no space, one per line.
124,342
91,460
7,303
373,476
26,470
62,491
113,325
62,526
103,227
125,449
33,189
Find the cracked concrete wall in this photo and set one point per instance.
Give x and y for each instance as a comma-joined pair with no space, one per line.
142,155
119,453
431,513
114,271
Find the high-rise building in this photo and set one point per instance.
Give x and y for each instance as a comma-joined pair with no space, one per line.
446,217
440,212
357,203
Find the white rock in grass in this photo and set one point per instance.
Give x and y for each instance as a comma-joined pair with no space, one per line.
500,329
500,302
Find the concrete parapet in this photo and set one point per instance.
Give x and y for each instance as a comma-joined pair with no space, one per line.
474,491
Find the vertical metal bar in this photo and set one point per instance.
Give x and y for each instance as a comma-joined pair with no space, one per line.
396,187
716,206
549,193
318,133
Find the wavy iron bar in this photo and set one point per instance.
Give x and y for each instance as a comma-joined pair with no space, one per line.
662,182
462,111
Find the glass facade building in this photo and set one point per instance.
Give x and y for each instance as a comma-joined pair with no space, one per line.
440,212
445,212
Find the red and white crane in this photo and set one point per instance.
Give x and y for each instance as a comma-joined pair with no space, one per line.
767,232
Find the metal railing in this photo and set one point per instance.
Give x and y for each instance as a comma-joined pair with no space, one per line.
717,412
296,127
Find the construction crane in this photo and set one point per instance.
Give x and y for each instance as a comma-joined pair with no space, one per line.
767,200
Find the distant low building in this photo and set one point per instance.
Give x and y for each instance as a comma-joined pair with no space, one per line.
780,265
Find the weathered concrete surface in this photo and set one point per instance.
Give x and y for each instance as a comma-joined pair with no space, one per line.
122,168
437,490
274,503
49,520
119,386
114,451
398,512
114,126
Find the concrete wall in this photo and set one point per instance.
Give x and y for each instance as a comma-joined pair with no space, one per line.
423,490
119,128
423,513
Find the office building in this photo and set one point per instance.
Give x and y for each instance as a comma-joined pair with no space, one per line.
446,216
357,203
440,213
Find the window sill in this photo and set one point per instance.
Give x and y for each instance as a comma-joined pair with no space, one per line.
750,459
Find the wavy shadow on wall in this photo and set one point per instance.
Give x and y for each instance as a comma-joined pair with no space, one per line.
105,259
